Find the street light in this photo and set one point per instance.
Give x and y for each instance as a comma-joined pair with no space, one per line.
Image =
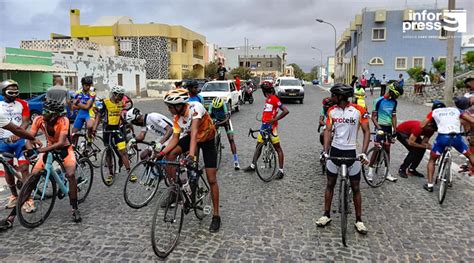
320,63
335,40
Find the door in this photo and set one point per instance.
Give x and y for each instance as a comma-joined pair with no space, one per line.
137,85
233,94
120,79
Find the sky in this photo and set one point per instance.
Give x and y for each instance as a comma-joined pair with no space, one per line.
289,23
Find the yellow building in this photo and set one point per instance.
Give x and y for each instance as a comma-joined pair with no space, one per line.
169,50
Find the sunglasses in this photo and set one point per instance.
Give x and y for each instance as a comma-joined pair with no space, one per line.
12,93
47,112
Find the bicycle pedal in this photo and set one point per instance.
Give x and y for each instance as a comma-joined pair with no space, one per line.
61,195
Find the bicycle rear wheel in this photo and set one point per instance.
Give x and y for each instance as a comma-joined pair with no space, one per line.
380,167
201,197
344,209
167,221
138,193
267,162
42,203
444,179
84,176
108,165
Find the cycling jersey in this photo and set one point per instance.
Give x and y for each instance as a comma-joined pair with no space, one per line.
413,127
218,114
385,109
270,110
111,112
345,123
157,123
83,97
448,120
14,112
4,121
195,110
197,98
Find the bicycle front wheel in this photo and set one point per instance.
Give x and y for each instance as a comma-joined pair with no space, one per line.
142,184
167,221
445,177
84,176
37,214
108,166
267,162
380,167
201,197
344,210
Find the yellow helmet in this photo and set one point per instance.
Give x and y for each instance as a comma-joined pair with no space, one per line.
217,103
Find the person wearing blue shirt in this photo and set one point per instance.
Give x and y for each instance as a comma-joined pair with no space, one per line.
193,89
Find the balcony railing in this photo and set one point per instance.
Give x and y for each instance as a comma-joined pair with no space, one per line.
198,56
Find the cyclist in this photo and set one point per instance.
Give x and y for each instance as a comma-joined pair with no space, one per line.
359,96
384,117
270,120
448,120
111,116
84,102
17,112
343,121
327,103
193,88
55,126
154,122
372,81
192,120
221,116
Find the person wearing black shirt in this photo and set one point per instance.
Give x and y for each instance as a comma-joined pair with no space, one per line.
221,72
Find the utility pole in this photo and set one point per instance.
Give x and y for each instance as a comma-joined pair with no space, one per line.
449,83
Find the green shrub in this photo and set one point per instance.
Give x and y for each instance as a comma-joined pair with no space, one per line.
415,73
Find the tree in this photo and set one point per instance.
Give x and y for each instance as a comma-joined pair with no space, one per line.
469,59
299,73
440,65
210,70
415,73
190,74
313,74
243,72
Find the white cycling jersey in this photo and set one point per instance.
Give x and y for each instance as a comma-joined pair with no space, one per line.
14,112
345,123
448,120
157,123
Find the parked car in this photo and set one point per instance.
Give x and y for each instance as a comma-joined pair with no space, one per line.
224,89
289,88
36,107
315,82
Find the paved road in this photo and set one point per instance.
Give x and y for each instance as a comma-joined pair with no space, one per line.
266,221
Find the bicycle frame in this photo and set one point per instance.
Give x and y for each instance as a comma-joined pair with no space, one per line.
50,171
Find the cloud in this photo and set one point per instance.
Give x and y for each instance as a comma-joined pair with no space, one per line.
289,23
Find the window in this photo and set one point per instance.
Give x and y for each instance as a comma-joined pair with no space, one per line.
269,64
174,46
259,64
378,34
442,58
419,62
125,45
376,61
120,79
241,64
401,63
247,64
443,34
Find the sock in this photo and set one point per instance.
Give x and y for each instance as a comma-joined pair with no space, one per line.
358,219
327,213
280,169
430,185
236,159
252,166
73,203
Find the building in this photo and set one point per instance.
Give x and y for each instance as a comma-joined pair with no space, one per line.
234,55
169,50
33,70
262,65
375,42
92,59
467,45
330,70
214,54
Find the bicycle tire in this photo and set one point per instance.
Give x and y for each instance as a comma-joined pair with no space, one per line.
344,211
30,185
147,179
201,197
266,148
84,173
377,183
95,156
444,178
219,151
167,216
440,167
103,173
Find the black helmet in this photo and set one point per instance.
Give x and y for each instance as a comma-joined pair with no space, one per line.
191,84
54,106
267,87
344,90
88,80
437,104
461,102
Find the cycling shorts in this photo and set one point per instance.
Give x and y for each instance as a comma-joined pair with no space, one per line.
208,150
69,160
353,167
444,140
117,137
274,137
387,133
229,129
82,116
16,148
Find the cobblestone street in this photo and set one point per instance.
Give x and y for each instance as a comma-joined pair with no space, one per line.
265,221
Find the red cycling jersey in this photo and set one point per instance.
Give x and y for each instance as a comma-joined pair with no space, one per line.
272,104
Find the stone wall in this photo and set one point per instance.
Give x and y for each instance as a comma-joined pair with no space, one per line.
158,87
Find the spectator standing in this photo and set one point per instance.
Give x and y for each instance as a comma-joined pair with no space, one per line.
237,82
221,70
383,85
58,92
363,82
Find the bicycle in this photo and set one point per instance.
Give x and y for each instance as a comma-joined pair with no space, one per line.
445,174
5,158
174,203
344,193
42,187
86,149
381,164
267,153
146,185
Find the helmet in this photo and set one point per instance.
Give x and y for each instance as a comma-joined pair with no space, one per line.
217,103
177,96
340,89
118,90
395,89
54,106
88,80
7,83
461,102
132,114
437,104
191,84
267,87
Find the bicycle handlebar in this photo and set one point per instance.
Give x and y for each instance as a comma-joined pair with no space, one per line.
344,158
251,132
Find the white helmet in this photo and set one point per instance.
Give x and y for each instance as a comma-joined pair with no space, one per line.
132,114
118,90
177,96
